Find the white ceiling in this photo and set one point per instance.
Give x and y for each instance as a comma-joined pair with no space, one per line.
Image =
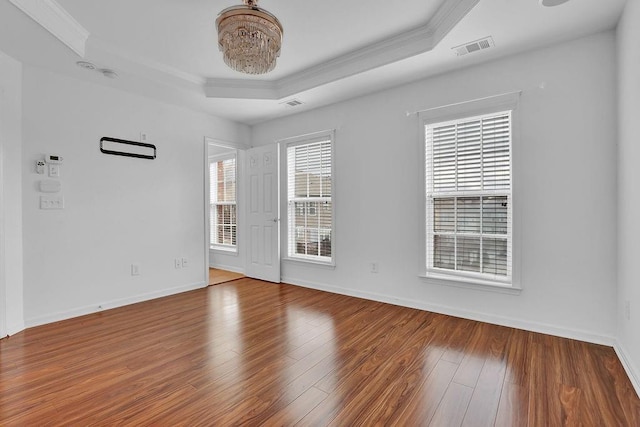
332,50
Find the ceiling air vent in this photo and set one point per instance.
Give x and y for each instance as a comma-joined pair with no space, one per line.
292,103
474,46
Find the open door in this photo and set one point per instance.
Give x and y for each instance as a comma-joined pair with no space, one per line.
263,220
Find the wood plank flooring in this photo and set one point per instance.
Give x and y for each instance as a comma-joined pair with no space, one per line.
253,353
217,276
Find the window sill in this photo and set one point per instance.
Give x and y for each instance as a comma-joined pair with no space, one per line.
313,262
470,283
225,250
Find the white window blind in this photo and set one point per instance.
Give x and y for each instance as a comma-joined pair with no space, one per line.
222,196
468,196
309,199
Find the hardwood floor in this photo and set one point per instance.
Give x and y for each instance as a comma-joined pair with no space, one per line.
255,353
217,276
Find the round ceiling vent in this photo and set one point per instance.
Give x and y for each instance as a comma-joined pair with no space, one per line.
86,65
551,3
108,73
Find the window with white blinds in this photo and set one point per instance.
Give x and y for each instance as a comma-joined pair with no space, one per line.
468,197
222,197
309,200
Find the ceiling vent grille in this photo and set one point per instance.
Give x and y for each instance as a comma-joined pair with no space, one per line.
474,46
292,103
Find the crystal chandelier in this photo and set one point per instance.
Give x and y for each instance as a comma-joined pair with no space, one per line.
249,38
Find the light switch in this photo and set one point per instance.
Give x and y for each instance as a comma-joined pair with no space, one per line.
54,170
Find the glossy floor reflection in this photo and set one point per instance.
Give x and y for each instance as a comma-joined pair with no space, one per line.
263,354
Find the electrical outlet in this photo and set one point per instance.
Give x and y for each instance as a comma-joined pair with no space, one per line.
144,137
627,310
374,267
52,202
177,263
185,262
135,269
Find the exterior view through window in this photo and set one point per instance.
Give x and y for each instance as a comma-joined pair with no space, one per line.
468,197
310,207
223,212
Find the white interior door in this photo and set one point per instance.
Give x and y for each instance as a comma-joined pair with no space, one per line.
263,220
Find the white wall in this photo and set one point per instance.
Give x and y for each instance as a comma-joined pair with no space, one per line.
118,210
11,195
628,190
567,190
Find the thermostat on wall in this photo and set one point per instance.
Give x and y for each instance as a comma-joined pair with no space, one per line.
53,158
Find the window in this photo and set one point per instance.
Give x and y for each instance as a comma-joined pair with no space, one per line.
223,211
309,199
468,197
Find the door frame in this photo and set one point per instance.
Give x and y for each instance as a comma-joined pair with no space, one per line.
3,285
208,141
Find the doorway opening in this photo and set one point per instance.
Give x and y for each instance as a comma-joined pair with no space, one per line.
242,210
3,297
218,276
222,211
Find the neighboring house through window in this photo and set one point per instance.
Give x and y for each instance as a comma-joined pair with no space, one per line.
223,212
309,198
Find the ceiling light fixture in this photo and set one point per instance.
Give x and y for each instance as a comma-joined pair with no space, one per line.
249,38
551,3
110,74
107,72
86,65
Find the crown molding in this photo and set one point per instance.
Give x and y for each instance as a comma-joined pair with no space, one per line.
241,89
102,52
55,19
448,16
395,48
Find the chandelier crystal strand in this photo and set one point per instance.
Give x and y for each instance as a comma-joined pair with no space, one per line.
249,38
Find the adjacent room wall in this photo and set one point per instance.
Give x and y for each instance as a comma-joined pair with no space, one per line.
118,211
11,280
566,178
629,190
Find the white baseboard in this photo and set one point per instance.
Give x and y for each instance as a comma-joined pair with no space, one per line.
94,308
575,334
632,371
14,328
227,267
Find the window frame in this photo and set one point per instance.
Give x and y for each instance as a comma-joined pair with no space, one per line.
289,227
213,227
461,111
